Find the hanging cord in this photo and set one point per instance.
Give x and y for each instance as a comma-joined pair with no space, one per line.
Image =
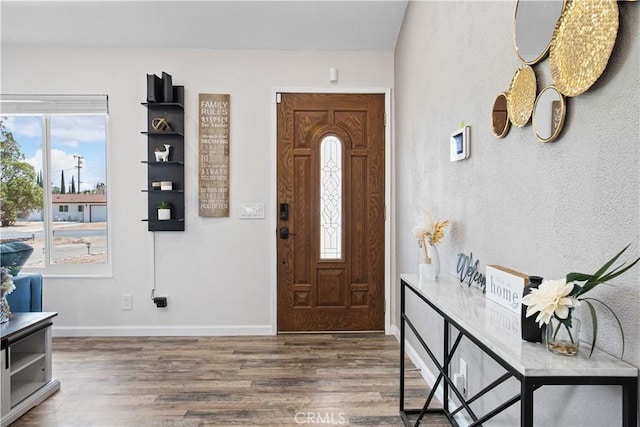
153,265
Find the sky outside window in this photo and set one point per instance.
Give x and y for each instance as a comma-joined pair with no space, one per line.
79,135
78,228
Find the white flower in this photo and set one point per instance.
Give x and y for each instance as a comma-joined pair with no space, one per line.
424,227
550,298
6,282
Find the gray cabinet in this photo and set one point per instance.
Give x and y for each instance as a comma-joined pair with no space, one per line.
26,364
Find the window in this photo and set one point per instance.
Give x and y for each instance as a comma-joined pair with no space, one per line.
330,198
57,147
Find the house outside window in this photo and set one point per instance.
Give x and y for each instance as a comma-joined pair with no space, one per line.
61,144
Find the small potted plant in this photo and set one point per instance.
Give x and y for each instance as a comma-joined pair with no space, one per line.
164,211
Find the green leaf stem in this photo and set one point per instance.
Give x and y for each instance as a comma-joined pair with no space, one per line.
594,321
567,324
600,276
608,264
578,277
590,281
595,324
615,274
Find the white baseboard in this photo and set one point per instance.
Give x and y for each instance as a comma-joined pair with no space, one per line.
426,373
395,332
160,331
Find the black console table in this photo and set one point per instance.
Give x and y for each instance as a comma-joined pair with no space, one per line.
468,311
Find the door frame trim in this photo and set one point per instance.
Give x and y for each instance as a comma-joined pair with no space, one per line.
388,195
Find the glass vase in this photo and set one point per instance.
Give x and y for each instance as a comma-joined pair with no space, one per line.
563,338
5,313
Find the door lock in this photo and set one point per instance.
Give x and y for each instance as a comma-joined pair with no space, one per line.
284,233
284,211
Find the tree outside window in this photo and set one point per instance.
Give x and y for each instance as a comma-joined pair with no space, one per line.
73,172
20,191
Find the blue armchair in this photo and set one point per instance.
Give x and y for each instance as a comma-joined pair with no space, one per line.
27,296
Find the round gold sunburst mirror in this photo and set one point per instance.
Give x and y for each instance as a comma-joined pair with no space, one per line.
582,44
521,96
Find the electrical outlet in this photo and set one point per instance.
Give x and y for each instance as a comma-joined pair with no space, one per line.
458,381
464,377
126,302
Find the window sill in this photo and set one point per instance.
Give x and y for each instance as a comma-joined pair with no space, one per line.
79,271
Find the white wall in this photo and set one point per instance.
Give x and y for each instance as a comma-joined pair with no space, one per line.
543,209
218,273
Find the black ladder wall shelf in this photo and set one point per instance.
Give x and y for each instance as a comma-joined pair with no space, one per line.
171,170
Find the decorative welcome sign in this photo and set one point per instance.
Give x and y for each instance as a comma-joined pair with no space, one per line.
505,287
213,160
468,270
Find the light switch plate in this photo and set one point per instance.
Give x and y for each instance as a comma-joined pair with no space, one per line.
126,302
251,210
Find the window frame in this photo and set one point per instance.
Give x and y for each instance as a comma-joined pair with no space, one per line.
323,254
93,103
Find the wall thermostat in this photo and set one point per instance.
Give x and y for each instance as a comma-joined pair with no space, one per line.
459,144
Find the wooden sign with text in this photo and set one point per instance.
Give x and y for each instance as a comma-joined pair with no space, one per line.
213,161
505,286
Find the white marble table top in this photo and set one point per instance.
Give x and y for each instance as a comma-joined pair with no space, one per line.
499,330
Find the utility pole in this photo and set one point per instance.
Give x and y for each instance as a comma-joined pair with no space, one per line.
79,157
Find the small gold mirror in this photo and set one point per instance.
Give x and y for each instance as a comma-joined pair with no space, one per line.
533,26
548,114
521,96
499,116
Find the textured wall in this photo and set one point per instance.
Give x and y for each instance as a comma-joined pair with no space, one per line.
543,209
218,273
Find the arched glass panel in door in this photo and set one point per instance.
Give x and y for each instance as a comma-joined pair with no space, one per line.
331,198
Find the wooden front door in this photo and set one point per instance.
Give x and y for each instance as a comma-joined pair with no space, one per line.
331,212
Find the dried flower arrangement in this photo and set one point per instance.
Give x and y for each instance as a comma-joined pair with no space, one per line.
429,231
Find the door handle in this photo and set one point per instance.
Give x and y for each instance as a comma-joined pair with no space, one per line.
284,233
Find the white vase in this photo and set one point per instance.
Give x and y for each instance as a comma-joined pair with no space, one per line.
435,259
427,273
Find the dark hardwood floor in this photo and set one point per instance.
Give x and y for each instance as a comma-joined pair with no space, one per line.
286,380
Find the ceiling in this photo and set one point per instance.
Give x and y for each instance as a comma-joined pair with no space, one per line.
239,24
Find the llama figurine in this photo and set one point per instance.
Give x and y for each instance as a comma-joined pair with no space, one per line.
162,156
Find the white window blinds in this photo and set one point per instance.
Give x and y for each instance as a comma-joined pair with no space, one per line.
54,104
